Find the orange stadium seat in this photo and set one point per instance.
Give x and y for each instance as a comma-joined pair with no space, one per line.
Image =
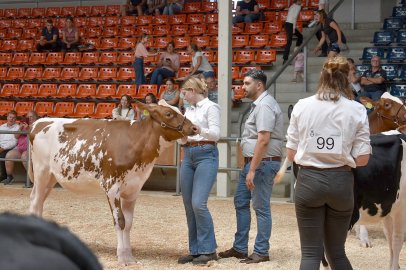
126,89
178,19
145,89
144,20
108,43
9,45
80,21
37,58
127,31
33,73
270,16
98,11
10,89
162,42
3,33
278,40
126,73
83,11
95,21
306,15
126,57
93,41
151,59
68,11
15,73
181,42
111,21
243,57
93,31
3,73
83,109
144,29
47,90
201,41
54,58
197,29
69,73
23,107
240,41
265,56
179,29
210,55
235,73
208,7
212,29
10,13
36,23
66,90
53,12
60,23
212,18
148,70
237,28
258,41
71,58
183,72
106,91
51,73
28,90
24,12
246,69
6,106
5,24
113,10
282,16
279,4
238,92
5,58
44,108
107,73
128,20
82,32
89,58
86,91
14,33
63,109
184,57
107,58
103,110
197,18
264,4
161,19
313,4
38,12
161,30
127,43
20,23
253,28
26,45
88,73
30,33
1,13
272,27
192,7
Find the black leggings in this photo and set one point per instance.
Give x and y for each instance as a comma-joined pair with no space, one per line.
324,202
289,34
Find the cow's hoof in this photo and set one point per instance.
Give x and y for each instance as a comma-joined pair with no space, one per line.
366,244
127,260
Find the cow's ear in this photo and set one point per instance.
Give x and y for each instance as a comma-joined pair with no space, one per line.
367,102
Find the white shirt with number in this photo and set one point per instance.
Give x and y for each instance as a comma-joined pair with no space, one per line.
328,134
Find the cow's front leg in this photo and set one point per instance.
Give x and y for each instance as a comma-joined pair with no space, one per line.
361,232
388,231
125,252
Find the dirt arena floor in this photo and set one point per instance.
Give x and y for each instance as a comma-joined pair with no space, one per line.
159,234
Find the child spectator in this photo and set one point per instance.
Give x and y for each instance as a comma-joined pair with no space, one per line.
298,75
171,94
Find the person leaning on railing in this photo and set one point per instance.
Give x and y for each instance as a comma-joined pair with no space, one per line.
7,141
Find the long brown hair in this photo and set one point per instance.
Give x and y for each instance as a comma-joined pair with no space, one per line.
129,100
334,81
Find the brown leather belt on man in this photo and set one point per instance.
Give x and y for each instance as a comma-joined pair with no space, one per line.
341,168
199,143
248,159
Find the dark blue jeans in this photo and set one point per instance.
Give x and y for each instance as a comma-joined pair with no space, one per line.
139,71
160,74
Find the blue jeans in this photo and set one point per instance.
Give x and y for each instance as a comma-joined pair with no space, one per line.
139,71
172,9
160,74
198,174
261,196
246,18
375,96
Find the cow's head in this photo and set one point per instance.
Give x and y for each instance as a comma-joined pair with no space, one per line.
174,125
388,110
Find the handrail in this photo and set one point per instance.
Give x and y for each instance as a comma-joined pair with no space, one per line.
287,63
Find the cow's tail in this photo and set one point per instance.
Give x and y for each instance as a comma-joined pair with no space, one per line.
281,172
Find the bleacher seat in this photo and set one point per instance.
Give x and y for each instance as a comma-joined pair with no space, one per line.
212,29
106,91
278,40
201,41
9,45
177,19
179,29
208,7
398,90
54,58
37,58
212,18
265,57
20,58
88,73
253,28
47,90
84,11
5,24
26,45
111,21
113,10
10,13
5,58
279,4
161,30
399,11
66,91
240,41
98,11
401,38
235,73
108,43
93,31
184,57
183,71
181,42
192,7
24,12
126,73
3,33
397,54
107,73
30,33
258,41
211,56
10,89
51,73
127,31
53,12
383,38
38,12
86,91
110,31
6,106
128,21
126,57
103,110
306,15
14,33
28,90
3,73
161,19
83,109
33,73
145,89
93,41
80,21
393,23
238,92
15,73
391,71
360,69
36,23
89,58
23,107
69,73
107,58
68,11
44,108
244,56
72,58
162,42
20,23
126,89
63,109
372,51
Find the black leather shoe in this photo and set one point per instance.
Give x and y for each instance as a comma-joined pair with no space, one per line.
187,259
205,258
8,180
232,253
255,258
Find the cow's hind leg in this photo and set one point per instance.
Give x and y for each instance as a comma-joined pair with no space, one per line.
361,232
128,210
40,191
388,231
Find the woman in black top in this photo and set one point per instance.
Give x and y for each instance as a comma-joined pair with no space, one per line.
330,29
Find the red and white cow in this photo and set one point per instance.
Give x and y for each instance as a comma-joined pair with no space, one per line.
118,155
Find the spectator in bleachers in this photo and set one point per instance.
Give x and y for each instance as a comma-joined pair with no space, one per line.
7,141
136,7
173,7
167,66
49,38
148,99
70,36
298,75
20,151
354,78
373,80
140,53
291,29
155,7
246,11
171,94
323,4
212,92
124,110
331,30
200,64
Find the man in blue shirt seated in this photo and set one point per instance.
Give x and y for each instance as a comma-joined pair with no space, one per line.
49,38
246,11
373,80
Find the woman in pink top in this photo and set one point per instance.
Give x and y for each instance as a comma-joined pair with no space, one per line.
140,53
298,75
70,36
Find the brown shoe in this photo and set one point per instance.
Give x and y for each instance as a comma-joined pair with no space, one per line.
232,253
255,258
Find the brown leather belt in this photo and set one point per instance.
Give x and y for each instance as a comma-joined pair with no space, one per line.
341,168
194,144
248,159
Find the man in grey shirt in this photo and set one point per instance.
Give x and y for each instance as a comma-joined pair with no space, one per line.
262,149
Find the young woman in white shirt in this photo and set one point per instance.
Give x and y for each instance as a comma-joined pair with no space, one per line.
124,110
327,136
199,171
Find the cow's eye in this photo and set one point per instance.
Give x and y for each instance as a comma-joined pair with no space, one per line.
387,105
168,114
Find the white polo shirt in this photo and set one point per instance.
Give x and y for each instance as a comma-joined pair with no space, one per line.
293,13
8,141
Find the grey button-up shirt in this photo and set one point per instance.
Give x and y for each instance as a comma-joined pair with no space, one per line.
265,115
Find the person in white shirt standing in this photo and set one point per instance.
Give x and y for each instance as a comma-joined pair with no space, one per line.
328,135
7,141
199,171
291,29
